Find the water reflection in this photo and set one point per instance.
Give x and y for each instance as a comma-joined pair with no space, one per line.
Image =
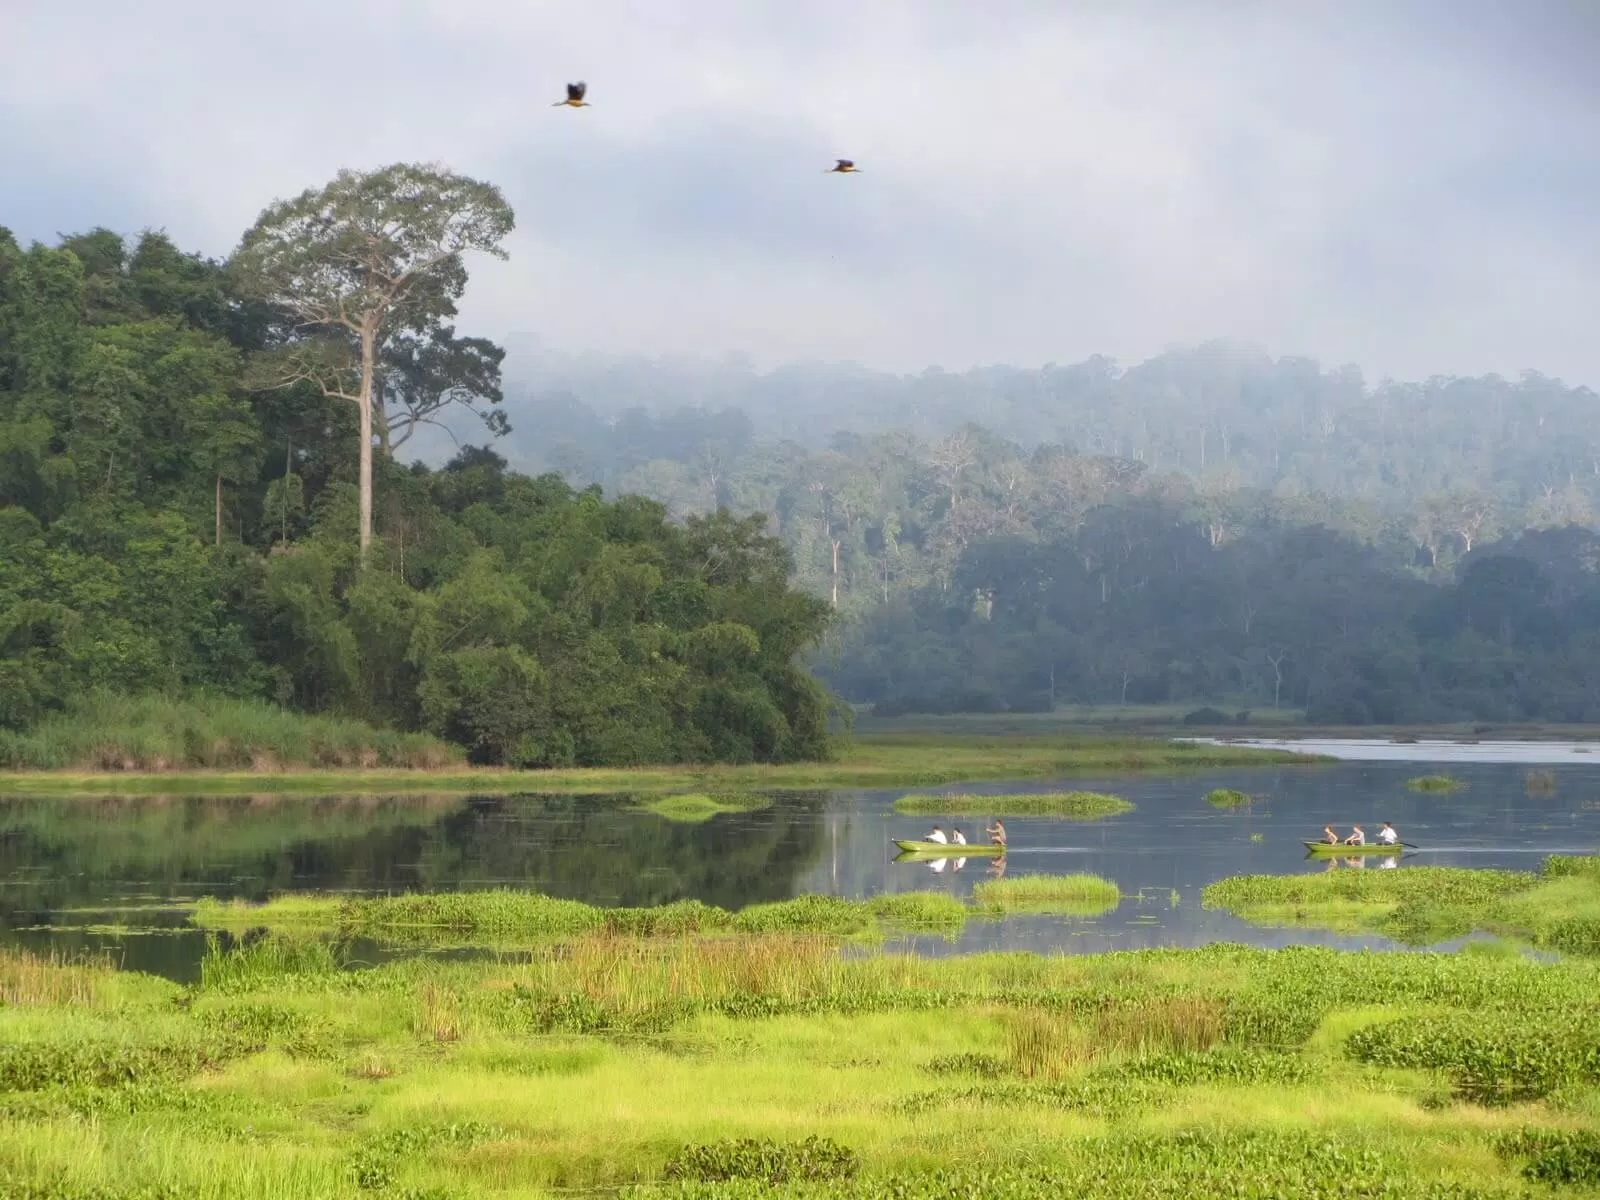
108,871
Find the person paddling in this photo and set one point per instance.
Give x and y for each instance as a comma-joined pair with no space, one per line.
1329,836
1356,838
1387,835
937,836
997,833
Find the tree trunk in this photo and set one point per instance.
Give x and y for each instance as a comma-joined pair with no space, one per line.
368,356
219,510
836,572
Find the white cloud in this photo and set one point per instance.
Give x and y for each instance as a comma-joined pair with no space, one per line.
1040,181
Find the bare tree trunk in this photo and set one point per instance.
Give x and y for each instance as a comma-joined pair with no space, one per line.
368,363
836,572
219,510
1277,677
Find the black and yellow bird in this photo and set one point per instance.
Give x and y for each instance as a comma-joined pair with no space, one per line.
844,167
574,98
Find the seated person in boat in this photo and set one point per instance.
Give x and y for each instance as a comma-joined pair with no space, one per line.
997,833
936,836
1356,838
1387,835
957,838
1329,836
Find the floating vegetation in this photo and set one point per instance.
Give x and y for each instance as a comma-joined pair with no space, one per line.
1540,783
1227,798
1080,806
1070,895
1435,783
696,807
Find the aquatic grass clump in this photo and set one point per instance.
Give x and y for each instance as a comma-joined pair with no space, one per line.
1539,783
1080,806
697,807
1079,894
1435,783
1227,798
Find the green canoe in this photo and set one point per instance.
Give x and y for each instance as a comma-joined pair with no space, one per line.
1369,848
941,849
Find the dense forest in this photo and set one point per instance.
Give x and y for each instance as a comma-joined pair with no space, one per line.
186,505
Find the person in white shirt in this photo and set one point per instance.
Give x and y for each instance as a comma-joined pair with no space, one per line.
937,836
958,838
1356,838
1387,835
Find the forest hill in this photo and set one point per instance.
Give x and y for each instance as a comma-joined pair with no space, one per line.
165,525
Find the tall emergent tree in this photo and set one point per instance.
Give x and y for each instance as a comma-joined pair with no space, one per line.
373,261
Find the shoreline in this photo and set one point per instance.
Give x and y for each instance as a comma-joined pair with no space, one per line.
877,760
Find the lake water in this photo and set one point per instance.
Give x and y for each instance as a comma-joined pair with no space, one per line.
101,872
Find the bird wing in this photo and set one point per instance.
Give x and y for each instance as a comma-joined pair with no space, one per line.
575,91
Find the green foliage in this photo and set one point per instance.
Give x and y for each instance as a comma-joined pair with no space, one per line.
1555,1156
1495,1058
765,1160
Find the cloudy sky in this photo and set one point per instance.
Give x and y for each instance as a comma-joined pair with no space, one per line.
1412,185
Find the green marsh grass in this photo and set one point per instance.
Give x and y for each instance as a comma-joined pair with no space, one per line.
1435,783
878,760
1227,798
1070,895
1079,806
505,916
596,1064
122,734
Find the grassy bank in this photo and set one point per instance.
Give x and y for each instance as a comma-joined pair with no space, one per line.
507,917
882,760
102,732
776,1065
1555,908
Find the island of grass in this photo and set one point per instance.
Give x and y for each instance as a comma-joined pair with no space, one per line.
1227,798
1556,908
1066,895
219,745
695,808
773,1064
1435,783
1077,806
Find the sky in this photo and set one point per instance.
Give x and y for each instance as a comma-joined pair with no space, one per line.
1409,185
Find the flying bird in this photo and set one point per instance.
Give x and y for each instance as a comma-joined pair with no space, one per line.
574,98
845,167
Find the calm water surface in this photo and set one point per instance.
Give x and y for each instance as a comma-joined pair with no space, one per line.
107,872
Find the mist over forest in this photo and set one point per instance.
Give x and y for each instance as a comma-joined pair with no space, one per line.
1214,526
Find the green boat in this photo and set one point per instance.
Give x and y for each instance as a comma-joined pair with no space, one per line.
944,850
1368,848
